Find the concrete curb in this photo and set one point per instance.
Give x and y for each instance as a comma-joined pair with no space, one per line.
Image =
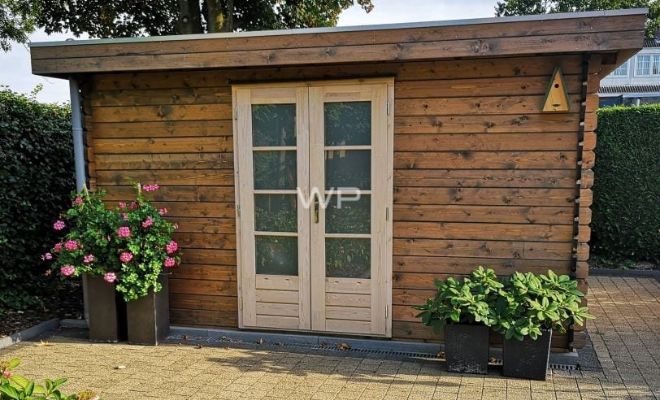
29,333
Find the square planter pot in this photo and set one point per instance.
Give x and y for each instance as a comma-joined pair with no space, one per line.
106,311
149,317
528,358
466,348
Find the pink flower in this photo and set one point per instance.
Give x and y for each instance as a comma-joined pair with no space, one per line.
172,247
110,277
126,257
89,258
122,205
46,257
6,373
67,270
150,188
147,222
124,232
162,211
59,225
169,262
134,205
78,201
71,245
57,248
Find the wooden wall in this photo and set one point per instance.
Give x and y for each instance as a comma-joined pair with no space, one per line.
481,176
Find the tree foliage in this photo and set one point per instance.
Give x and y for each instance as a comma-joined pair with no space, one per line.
123,18
36,177
16,22
626,208
529,7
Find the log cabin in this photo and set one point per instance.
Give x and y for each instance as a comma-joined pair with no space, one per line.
323,178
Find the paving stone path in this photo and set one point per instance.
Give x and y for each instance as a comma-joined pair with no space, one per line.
625,340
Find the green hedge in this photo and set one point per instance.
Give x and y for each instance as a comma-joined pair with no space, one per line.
36,177
626,208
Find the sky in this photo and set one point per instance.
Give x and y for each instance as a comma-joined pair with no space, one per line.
15,65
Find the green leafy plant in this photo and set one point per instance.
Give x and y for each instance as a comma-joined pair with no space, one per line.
130,245
530,303
17,387
626,207
36,160
466,301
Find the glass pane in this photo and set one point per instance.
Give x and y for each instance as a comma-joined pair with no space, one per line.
275,212
346,215
348,258
274,169
348,168
276,255
273,124
347,123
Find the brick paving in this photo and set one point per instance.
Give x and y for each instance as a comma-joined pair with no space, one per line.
625,338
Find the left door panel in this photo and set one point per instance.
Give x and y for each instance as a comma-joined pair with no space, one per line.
273,164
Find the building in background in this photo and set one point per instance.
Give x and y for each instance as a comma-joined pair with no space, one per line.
635,82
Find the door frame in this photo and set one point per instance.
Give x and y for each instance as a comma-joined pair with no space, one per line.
303,124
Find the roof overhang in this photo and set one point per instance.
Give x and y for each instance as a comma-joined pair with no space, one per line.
618,33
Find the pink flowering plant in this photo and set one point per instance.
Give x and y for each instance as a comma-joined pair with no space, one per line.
129,246
144,246
85,245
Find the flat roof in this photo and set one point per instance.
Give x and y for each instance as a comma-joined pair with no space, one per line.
595,31
353,28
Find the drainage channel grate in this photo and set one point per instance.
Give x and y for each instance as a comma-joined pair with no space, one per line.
329,348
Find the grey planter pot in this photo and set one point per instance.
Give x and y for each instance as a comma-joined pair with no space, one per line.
528,358
466,348
149,317
106,311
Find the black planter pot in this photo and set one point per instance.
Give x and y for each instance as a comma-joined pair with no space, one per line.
149,317
466,348
527,358
106,311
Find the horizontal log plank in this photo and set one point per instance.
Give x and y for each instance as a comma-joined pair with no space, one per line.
206,225
155,129
484,178
157,161
183,301
485,160
175,112
215,318
222,177
485,214
486,142
483,249
210,257
485,196
220,144
521,104
487,123
204,287
174,193
464,266
145,97
477,231
192,240
205,272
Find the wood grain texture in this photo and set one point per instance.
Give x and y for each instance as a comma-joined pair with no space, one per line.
481,177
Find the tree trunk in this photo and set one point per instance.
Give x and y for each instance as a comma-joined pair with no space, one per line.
212,17
228,20
190,17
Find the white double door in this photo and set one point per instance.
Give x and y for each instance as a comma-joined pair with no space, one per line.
314,191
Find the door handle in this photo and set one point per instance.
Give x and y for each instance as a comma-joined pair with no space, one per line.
316,208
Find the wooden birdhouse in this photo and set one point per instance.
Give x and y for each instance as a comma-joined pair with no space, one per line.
556,97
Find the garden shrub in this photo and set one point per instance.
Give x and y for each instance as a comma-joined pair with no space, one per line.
36,177
626,208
